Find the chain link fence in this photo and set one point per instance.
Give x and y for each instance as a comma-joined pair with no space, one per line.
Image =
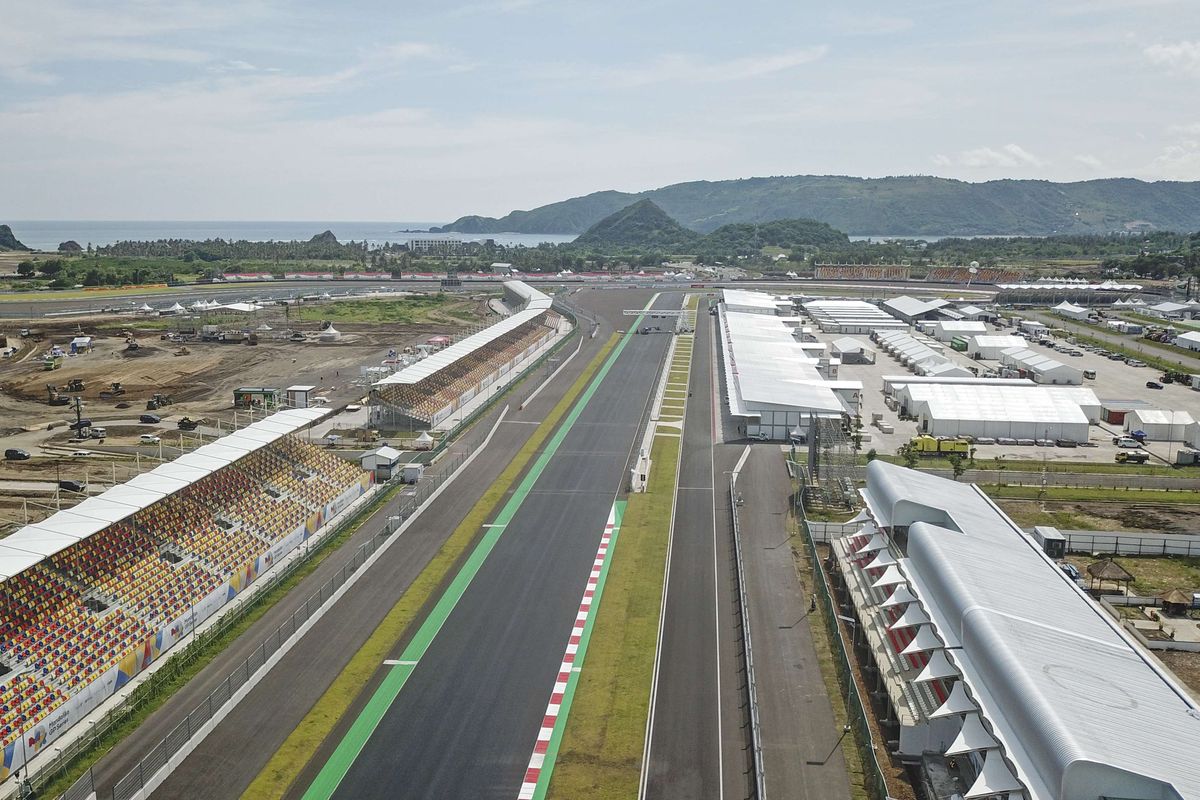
159,681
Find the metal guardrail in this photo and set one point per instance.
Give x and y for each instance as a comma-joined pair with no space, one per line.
160,754
760,779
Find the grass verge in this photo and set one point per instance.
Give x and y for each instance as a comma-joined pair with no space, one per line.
601,751
300,746
1092,494
188,663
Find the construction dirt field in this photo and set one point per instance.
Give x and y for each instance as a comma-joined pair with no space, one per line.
200,385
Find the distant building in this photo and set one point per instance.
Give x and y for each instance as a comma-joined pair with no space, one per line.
435,245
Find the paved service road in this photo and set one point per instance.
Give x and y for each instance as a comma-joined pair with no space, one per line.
465,720
801,752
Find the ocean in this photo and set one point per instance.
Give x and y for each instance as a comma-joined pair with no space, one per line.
48,234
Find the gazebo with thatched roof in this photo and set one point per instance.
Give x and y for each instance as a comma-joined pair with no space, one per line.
1108,570
1175,602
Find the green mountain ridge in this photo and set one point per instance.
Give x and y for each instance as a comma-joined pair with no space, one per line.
645,226
911,205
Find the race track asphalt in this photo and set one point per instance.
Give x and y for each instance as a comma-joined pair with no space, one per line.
465,723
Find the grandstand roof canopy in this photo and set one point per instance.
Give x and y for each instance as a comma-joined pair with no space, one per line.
536,303
1069,697
32,543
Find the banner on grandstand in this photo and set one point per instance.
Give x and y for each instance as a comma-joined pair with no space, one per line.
241,578
860,272
344,499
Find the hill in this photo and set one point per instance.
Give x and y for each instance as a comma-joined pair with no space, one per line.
748,237
642,225
916,205
8,241
325,237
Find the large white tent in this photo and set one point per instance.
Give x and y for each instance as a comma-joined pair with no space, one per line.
996,410
990,346
1160,425
1041,368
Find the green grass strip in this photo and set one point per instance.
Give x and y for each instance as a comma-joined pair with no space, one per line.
368,720
601,751
1094,494
300,746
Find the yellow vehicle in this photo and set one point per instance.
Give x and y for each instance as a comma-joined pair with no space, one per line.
926,445
961,446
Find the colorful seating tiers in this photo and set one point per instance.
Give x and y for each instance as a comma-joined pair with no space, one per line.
68,619
423,399
24,701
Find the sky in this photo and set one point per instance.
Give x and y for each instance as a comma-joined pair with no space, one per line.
430,109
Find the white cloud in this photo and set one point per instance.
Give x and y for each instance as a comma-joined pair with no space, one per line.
683,68
1178,57
1089,161
1008,156
39,34
870,24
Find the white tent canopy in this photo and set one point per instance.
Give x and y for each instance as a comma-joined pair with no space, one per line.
957,703
995,778
937,668
973,736
923,642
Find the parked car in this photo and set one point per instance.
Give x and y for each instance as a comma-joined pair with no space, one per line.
16,454
1126,441
1153,385
149,438
81,453
73,486
150,419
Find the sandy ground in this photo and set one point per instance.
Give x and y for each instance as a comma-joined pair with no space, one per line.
201,384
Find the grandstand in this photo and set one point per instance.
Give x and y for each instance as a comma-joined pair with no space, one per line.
861,272
964,275
431,390
93,595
